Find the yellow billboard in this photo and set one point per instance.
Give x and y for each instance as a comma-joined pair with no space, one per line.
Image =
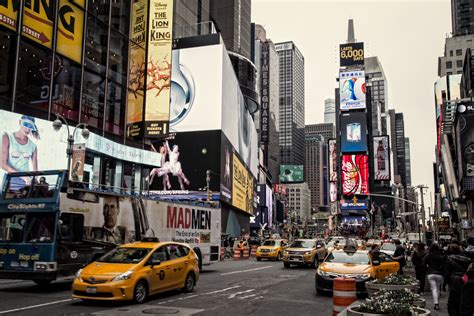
136,69
242,186
38,17
9,13
70,29
158,81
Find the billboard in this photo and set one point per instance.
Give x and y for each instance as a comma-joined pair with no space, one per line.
332,160
352,90
332,192
158,69
359,204
70,29
353,132
351,54
355,174
291,173
136,69
203,83
381,158
242,186
265,93
9,14
38,17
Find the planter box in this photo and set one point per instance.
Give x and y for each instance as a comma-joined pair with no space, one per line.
373,288
354,311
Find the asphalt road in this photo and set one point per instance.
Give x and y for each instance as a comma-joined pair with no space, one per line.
226,288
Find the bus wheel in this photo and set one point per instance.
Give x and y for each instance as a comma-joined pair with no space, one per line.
42,282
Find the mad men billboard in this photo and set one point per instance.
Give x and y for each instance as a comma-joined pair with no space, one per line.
381,158
355,174
353,132
351,54
291,173
352,90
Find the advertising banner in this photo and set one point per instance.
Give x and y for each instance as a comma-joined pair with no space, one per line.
381,158
352,90
9,13
38,17
265,94
332,160
77,162
70,29
355,174
158,79
351,54
353,132
291,173
227,154
280,189
136,69
359,204
242,186
332,192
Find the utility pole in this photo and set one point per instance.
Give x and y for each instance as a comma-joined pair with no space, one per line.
422,205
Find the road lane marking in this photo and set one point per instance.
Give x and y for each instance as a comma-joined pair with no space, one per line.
223,290
242,271
247,296
242,292
178,299
36,306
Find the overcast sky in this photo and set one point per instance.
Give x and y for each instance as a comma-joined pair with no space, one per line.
406,35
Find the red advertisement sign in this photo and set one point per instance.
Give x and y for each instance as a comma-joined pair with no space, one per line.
355,174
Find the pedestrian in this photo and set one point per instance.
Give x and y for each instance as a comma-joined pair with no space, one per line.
469,250
467,293
434,263
456,266
420,269
399,256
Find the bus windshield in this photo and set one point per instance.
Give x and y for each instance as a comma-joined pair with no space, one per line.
27,227
25,187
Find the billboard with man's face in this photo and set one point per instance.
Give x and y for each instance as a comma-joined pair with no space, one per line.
352,90
353,132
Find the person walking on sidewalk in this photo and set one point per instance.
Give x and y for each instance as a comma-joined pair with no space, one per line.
467,293
456,266
399,256
434,263
469,251
420,269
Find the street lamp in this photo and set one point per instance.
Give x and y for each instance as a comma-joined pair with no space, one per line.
58,123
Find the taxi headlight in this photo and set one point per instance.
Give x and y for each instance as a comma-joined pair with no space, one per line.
285,252
124,276
78,273
323,273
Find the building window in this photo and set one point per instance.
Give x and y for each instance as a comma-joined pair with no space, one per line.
451,53
66,88
7,64
99,8
120,15
96,45
449,64
458,63
115,110
458,52
118,57
92,111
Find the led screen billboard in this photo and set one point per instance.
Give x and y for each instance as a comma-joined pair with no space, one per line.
359,204
352,90
355,174
381,158
351,54
291,173
353,132
332,192
332,160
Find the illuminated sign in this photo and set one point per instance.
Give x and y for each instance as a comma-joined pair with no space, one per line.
352,90
351,54
70,29
9,13
355,174
265,94
242,186
381,158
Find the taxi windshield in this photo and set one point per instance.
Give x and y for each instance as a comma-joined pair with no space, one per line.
388,246
270,243
125,255
347,257
302,244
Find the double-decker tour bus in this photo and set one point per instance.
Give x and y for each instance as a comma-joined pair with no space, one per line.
49,229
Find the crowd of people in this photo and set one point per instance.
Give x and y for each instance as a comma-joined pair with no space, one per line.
447,268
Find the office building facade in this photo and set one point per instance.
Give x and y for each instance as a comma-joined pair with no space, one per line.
292,104
462,17
408,161
377,82
330,111
299,200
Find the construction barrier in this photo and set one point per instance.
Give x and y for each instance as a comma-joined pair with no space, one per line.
344,294
222,254
237,253
253,252
246,253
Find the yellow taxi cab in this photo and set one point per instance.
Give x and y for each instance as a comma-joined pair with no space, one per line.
301,252
353,263
136,270
271,249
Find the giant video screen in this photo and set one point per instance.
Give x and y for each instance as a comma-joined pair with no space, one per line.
353,132
355,174
352,90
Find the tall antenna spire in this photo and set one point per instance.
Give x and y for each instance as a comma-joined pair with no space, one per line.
350,32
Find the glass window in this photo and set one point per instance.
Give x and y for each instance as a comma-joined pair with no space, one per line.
115,110
449,64
108,173
125,255
458,63
33,80
127,172
451,53
12,227
118,57
40,227
96,45
144,179
99,8
458,52
7,64
91,170
174,252
160,254
92,111
66,87
121,15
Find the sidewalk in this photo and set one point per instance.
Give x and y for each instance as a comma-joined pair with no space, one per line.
443,303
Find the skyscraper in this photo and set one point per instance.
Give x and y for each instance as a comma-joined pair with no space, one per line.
377,82
330,111
408,161
398,146
190,16
462,17
291,137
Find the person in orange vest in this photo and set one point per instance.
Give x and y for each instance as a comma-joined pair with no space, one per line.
240,247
